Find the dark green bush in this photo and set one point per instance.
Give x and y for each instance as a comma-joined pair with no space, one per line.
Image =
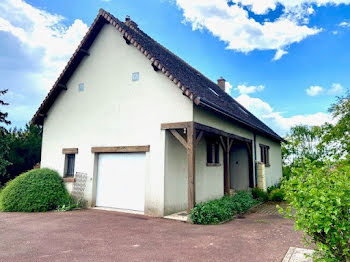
37,190
277,194
260,194
220,210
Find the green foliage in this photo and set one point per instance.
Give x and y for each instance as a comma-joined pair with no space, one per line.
24,151
271,188
304,143
277,194
220,210
337,136
3,115
320,199
319,144
4,150
37,190
260,194
4,146
71,206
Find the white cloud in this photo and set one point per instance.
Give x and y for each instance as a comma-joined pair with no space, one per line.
233,25
39,29
335,89
279,54
243,89
344,24
228,87
263,7
276,120
314,90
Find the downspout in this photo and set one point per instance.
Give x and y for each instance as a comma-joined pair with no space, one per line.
255,163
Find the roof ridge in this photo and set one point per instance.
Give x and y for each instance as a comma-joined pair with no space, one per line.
192,82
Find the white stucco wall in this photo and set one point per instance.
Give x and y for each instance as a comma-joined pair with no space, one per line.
209,180
114,111
175,184
274,171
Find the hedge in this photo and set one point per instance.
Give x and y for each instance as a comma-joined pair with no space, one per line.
220,210
37,190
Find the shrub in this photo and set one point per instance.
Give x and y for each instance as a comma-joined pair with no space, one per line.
220,210
37,190
277,194
320,198
260,194
271,188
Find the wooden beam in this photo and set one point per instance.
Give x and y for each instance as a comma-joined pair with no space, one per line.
230,144
223,144
219,132
62,86
177,125
84,51
191,193
155,68
42,115
178,137
120,149
69,150
199,137
127,41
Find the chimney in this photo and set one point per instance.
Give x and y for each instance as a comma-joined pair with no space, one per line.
130,23
221,83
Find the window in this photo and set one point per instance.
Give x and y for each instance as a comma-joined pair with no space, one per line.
70,162
264,154
213,153
135,76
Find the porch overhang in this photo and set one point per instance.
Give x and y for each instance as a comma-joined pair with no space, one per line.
194,133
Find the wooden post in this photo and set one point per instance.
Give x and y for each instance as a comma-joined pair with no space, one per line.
191,193
226,145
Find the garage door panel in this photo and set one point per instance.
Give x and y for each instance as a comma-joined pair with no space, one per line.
121,181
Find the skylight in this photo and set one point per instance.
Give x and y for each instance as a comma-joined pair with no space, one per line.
213,92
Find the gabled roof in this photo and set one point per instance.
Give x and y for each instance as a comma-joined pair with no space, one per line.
198,88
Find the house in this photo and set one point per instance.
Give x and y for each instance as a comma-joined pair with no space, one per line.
151,132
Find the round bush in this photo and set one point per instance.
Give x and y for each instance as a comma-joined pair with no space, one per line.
37,190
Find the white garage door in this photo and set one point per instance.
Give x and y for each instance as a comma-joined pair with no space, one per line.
121,181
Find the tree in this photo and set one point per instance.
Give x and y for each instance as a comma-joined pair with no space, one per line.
3,116
304,143
329,142
24,150
338,135
4,148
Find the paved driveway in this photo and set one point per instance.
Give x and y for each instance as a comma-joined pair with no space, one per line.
97,235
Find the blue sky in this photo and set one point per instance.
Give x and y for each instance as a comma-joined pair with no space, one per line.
286,62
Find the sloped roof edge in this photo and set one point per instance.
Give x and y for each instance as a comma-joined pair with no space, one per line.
130,34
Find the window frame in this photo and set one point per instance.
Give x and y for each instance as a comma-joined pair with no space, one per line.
265,154
213,152
68,161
